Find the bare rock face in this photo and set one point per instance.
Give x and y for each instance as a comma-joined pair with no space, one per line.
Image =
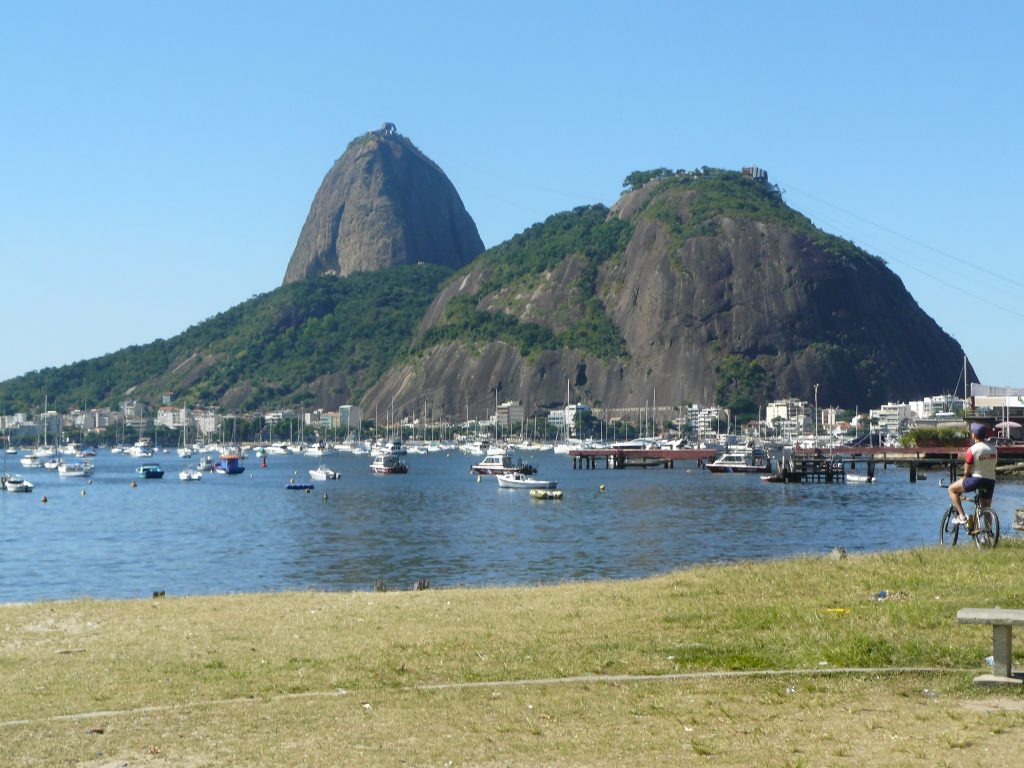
701,283
383,203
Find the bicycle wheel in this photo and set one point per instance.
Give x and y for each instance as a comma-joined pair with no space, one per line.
949,528
988,528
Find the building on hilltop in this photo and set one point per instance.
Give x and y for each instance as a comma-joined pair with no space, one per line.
757,174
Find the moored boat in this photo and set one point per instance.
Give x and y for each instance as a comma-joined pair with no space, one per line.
16,484
741,461
499,462
323,473
519,480
150,471
190,474
229,464
31,461
75,469
388,464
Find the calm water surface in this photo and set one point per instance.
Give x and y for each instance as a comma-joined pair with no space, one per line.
247,533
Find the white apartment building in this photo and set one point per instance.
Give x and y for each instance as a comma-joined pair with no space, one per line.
936,406
892,417
790,418
510,414
559,417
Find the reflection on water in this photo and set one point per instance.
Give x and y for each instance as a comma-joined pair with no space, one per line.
247,533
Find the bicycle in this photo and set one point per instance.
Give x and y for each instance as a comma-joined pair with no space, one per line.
982,526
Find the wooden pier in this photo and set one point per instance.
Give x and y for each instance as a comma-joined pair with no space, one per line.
809,469
639,458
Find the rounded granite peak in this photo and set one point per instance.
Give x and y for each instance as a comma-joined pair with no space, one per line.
382,204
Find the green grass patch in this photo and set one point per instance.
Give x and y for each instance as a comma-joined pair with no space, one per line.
304,678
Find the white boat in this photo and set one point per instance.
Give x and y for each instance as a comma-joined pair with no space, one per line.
323,473
519,480
476,447
190,474
75,469
16,484
741,461
853,477
393,447
141,449
388,464
499,462
31,461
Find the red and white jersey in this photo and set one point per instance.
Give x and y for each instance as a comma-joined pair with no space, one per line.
981,458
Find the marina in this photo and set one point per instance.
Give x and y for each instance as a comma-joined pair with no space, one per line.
101,537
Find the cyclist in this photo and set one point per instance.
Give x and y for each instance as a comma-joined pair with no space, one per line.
979,471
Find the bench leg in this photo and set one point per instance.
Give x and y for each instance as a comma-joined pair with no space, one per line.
1002,659
1002,650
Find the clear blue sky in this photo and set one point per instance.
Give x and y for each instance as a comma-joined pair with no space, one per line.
157,160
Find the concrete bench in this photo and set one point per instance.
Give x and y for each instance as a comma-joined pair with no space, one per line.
1003,620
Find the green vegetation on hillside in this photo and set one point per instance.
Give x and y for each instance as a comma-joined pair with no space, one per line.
731,194
742,386
274,344
586,232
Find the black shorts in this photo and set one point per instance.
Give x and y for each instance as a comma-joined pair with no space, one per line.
982,485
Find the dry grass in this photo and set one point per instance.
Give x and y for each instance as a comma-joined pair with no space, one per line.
349,678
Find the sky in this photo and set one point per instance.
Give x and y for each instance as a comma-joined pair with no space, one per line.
158,160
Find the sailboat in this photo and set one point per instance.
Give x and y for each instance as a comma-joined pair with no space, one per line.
190,473
185,450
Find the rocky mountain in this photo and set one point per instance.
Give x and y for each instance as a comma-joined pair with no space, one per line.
699,286
382,204
695,287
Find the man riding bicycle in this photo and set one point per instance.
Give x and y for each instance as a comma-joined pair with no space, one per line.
979,471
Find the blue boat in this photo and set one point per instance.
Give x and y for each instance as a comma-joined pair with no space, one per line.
229,464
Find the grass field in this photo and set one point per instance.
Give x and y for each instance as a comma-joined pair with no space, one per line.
746,664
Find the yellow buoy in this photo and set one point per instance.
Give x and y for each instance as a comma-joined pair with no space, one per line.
83,491
134,484
601,488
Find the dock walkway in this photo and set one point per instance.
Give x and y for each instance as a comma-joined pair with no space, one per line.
639,458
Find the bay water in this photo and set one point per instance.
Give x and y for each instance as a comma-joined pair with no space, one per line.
247,533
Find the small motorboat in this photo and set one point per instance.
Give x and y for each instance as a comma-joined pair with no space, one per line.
191,474
519,480
75,469
323,473
499,462
16,484
294,486
853,477
546,494
388,464
741,461
150,471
